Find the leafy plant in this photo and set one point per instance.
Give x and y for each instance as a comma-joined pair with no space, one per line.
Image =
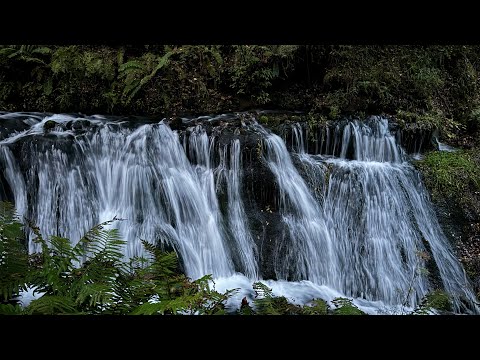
266,303
136,73
13,255
27,53
435,300
92,278
345,306
316,307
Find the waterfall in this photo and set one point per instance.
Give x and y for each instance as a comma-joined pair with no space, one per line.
381,223
230,172
142,176
354,218
309,256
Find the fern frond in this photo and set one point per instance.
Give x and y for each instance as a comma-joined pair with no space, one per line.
130,66
164,263
13,54
13,255
7,50
32,59
176,306
95,295
217,56
9,309
62,247
149,309
7,212
51,305
39,238
42,50
89,241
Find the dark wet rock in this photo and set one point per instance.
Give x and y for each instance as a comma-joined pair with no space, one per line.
49,125
176,123
11,125
81,125
6,193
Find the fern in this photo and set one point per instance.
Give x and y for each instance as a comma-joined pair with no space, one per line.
10,309
95,294
195,298
51,305
53,277
96,283
276,306
85,273
435,300
345,306
164,263
136,73
27,53
13,256
92,278
316,307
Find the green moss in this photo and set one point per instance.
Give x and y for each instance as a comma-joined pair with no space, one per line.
435,300
263,119
450,174
439,300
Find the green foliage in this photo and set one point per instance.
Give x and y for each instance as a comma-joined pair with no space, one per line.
13,255
136,73
10,309
93,286
450,173
256,67
474,119
194,298
435,300
316,307
432,86
26,53
266,303
76,62
92,278
92,70
344,306
51,305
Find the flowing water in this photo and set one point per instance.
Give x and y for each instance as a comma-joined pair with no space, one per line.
355,217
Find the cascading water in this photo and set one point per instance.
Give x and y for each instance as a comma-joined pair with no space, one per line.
230,173
353,217
142,176
309,256
381,224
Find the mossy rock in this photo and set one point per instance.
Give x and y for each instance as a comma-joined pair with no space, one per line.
439,300
263,119
49,125
450,174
